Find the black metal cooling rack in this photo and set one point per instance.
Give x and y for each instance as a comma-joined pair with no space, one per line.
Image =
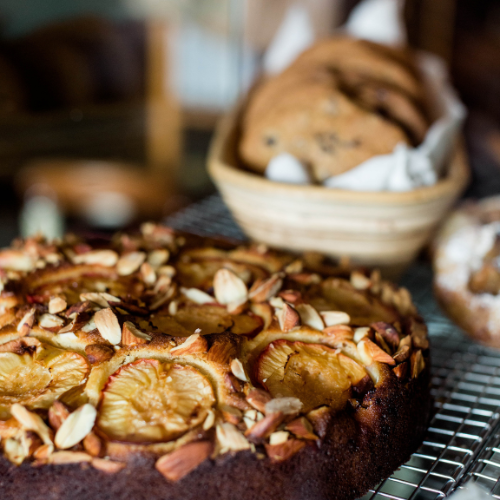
463,440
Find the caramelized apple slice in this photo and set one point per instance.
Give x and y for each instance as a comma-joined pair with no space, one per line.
313,373
148,401
36,379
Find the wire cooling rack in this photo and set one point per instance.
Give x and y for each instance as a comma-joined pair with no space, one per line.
463,440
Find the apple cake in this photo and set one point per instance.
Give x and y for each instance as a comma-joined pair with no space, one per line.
165,366
467,269
340,103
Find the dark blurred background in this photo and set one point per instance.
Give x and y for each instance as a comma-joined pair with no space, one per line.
107,108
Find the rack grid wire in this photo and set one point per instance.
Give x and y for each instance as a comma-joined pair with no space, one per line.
463,440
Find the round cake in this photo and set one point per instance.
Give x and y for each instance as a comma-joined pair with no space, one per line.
467,269
166,366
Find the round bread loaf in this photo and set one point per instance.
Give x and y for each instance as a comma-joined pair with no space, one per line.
163,366
340,103
467,271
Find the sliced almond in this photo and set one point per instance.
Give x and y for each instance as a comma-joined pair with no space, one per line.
359,281
16,450
157,258
148,274
167,271
69,457
194,344
106,258
262,429
197,296
185,459
266,289
417,363
297,266
258,399
360,333
50,322
24,326
309,316
284,451
58,413
129,263
209,421
288,318
388,333
230,438
301,428
404,350
173,307
131,335
15,260
57,305
401,370
370,352
320,419
278,437
93,445
333,318
31,422
108,326
76,427
238,370
108,466
229,288
287,406
231,414
101,299
419,336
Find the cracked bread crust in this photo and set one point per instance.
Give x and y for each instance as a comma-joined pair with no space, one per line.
202,368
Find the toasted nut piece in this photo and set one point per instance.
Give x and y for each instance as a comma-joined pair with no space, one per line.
108,326
382,343
167,271
332,318
309,316
284,451
229,288
162,284
197,296
320,419
108,466
277,302
360,333
185,459
238,370
292,296
370,352
278,437
101,299
132,336
403,303
194,344
130,262
231,414
16,450
24,326
98,353
148,274
266,289
93,445
306,278
31,422
230,438
16,260
57,414
417,363
162,299
418,332
404,350
42,454
209,421
265,427
69,457
76,427
297,266
20,346
57,305
302,428
106,258
288,318
388,333
401,370
50,322
359,281
157,258
173,308
258,399
287,406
